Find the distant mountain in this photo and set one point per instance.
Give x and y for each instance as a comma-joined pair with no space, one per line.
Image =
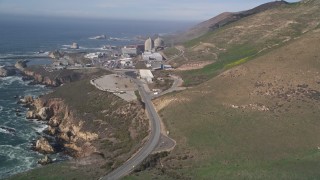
224,19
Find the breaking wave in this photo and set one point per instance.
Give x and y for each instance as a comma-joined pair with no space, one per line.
7,81
16,159
24,56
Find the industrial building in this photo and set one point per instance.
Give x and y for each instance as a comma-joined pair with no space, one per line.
146,74
153,46
95,55
158,44
149,56
132,50
148,45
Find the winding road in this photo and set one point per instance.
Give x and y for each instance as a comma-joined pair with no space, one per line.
176,86
148,147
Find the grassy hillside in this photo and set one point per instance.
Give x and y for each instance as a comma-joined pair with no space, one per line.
259,120
222,20
250,37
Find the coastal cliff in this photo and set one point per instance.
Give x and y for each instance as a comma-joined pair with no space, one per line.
48,80
40,75
89,124
64,126
74,135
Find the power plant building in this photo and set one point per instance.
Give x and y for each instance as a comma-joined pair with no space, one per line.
158,43
146,74
149,56
148,45
132,50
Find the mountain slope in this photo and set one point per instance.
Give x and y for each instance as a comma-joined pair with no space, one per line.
224,19
247,38
259,120
256,119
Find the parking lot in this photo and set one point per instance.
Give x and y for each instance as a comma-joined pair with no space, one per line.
120,85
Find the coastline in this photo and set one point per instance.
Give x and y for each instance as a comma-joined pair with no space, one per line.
72,134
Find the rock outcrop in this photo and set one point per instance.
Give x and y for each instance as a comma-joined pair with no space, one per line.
64,126
27,100
56,54
21,65
46,160
75,46
43,146
44,113
36,111
5,71
51,79
38,78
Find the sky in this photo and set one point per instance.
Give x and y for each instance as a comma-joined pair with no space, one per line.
175,10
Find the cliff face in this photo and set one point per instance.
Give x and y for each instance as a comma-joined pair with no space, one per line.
81,136
38,78
53,79
63,125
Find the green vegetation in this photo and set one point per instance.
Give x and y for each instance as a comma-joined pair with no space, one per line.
171,52
250,36
231,57
202,38
236,63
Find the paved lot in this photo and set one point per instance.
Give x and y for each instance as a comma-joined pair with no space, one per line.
120,85
165,144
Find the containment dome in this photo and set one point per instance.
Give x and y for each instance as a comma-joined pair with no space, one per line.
148,45
159,42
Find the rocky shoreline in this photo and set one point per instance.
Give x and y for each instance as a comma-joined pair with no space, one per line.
7,71
64,133
101,138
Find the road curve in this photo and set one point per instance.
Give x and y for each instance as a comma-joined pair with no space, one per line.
177,82
148,147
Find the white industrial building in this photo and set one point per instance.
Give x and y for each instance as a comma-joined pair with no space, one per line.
148,45
146,74
158,44
148,56
95,55
131,51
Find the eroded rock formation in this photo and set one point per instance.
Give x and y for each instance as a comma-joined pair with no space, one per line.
43,146
5,71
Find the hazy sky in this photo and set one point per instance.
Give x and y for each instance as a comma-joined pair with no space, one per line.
193,10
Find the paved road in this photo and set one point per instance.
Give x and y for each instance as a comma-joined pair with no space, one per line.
150,145
177,82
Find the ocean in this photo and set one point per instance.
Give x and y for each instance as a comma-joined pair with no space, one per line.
24,38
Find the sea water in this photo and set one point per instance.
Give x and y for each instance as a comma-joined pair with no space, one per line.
23,38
